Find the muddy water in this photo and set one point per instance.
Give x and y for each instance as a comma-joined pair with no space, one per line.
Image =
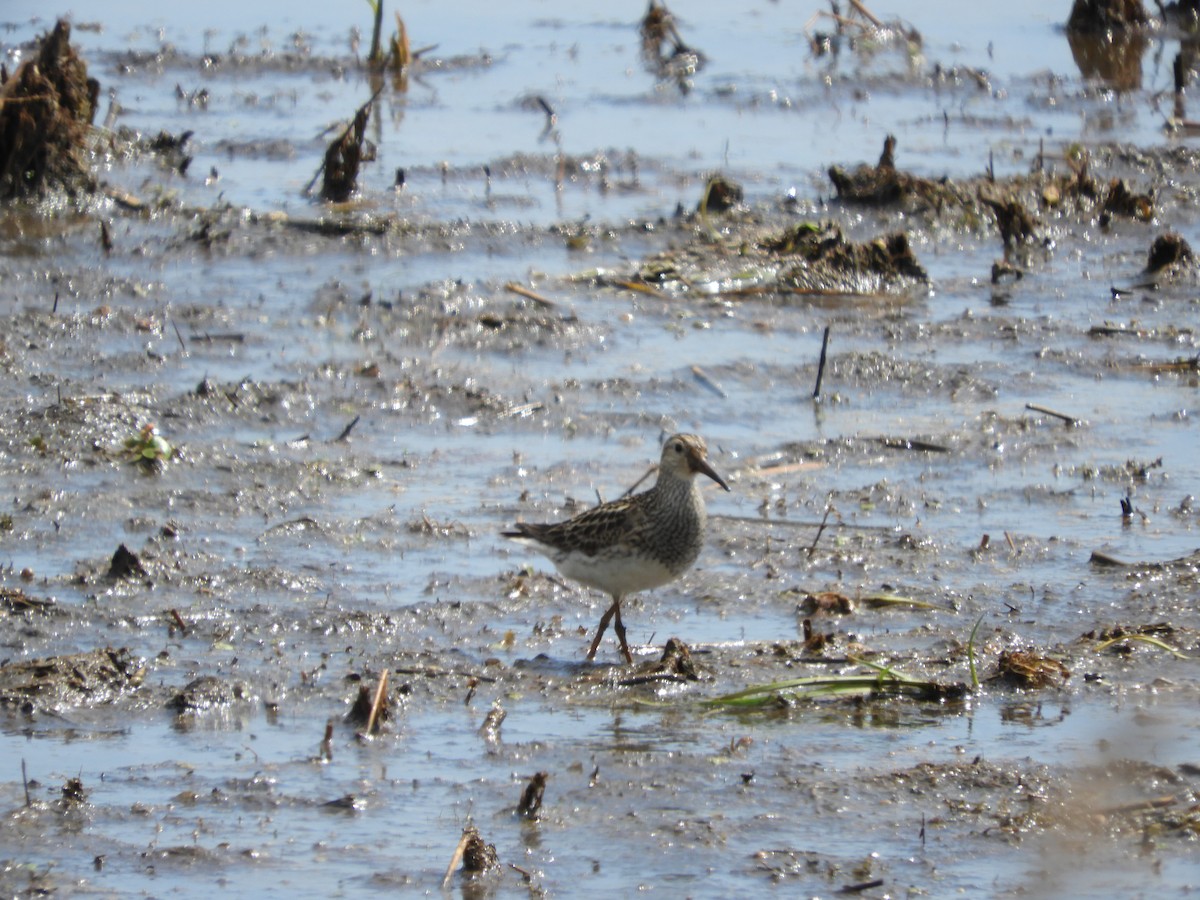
293,567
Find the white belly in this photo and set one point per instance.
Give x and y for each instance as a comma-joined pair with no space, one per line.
615,576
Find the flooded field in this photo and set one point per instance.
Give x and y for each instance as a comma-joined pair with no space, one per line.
987,517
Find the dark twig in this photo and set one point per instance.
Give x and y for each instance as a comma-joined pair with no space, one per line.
705,380
346,431
821,364
859,888
528,294
1070,420
820,528
327,742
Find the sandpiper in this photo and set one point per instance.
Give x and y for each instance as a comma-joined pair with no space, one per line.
634,543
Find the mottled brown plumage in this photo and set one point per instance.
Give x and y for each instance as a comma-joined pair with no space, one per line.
634,543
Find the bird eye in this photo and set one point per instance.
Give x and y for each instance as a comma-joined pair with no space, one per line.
678,446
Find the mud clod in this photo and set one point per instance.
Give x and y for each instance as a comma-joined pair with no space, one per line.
721,195
827,602
73,791
1170,252
531,797
125,564
208,692
873,185
883,184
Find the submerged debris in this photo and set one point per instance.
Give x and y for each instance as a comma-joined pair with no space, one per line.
831,264
675,665
46,110
81,679
15,600
1026,669
208,692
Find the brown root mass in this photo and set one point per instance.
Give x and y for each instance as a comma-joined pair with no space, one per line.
1106,15
46,109
344,157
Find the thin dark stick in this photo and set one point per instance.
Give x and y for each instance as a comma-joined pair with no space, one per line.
182,345
820,528
25,781
821,364
1177,71
1070,420
859,888
346,431
327,742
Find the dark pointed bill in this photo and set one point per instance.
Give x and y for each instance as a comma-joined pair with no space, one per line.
698,463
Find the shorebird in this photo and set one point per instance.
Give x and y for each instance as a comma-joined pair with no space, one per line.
634,543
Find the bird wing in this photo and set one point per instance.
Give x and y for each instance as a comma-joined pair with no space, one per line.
590,532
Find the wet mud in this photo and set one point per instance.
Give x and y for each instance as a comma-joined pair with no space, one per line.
260,630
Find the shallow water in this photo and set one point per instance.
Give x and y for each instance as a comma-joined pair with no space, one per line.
303,563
